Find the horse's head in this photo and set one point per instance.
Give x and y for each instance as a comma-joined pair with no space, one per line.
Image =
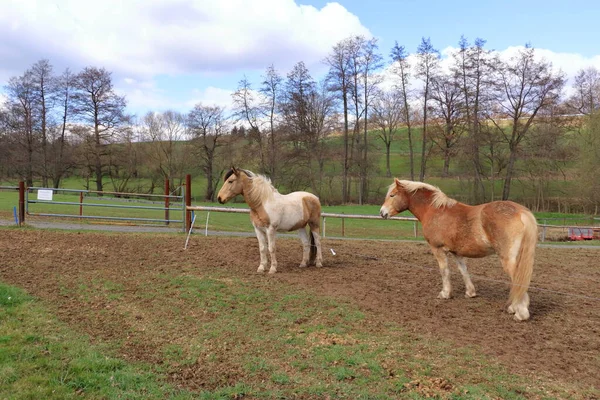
232,186
396,200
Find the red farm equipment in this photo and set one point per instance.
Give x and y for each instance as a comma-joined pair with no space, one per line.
581,233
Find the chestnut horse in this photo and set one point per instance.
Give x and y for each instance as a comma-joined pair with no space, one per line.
502,227
271,211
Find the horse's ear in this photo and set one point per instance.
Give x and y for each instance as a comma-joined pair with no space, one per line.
234,170
397,182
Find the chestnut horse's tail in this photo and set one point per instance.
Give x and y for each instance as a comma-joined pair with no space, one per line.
524,265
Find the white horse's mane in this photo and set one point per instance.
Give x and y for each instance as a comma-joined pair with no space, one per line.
261,190
439,198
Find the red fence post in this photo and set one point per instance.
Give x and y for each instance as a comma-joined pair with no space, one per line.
188,202
167,193
21,203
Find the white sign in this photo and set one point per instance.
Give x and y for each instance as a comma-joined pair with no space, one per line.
44,194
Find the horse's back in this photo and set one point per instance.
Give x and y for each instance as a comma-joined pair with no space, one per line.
294,210
504,214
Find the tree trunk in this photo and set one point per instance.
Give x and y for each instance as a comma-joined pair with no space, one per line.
388,145
411,153
209,182
446,169
345,188
509,173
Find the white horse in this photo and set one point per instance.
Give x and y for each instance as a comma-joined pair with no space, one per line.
271,211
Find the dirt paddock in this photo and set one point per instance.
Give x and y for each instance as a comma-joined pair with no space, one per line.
397,281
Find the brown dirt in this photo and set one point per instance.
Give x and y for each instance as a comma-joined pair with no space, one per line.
396,281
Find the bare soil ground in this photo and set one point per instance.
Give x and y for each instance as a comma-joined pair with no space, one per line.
396,281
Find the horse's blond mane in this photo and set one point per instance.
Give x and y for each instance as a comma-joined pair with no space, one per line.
261,189
439,198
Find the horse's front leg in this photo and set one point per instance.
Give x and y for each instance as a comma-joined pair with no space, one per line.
462,267
262,246
442,259
271,238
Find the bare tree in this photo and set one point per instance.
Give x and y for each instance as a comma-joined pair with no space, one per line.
388,115
20,121
165,134
427,68
472,68
124,160
586,98
247,109
307,111
589,161
44,90
339,80
371,62
271,90
401,68
207,125
96,103
63,96
525,87
447,101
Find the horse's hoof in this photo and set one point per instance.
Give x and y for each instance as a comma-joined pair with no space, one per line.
510,309
272,271
260,270
319,265
470,295
444,296
522,315
302,265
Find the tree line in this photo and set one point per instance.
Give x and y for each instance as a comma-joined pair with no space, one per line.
476,117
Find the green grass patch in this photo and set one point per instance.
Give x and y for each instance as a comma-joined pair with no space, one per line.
40,358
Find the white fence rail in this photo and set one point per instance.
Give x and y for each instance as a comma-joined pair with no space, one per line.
324,216
543,227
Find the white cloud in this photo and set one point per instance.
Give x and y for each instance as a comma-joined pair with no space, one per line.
211,96
169,37
569,63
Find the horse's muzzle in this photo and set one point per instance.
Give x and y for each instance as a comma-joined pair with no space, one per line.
384,214
220,200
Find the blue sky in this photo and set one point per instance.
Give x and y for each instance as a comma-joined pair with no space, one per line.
562,26
172,54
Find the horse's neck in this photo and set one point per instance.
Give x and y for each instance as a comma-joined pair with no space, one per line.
420,203
253,203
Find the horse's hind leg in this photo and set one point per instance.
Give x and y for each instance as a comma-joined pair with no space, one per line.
305,247
316,242
442,259
519,305
462,267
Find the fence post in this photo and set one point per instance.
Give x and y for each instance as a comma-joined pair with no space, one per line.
543,233
343,228
21,203
188,201
80,204
167,193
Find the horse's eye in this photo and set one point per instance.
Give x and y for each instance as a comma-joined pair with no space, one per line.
392,195
229,181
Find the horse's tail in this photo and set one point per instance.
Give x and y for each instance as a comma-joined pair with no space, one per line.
524,266
313,248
